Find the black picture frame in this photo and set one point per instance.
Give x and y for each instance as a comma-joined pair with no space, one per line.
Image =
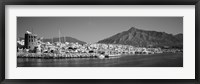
99,2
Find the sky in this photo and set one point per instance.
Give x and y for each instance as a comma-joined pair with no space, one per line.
93,29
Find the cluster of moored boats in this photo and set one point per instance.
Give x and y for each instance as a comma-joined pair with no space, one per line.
65,55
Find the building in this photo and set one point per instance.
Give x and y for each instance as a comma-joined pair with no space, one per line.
30,40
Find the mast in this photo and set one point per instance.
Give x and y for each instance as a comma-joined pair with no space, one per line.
52,40
59,35
64,39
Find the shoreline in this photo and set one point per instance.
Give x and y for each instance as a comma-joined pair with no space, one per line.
74,55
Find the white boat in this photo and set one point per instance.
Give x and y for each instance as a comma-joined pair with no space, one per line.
101,56
114,55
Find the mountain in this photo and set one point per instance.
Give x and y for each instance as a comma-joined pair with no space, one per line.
144,38
179,36
56,39
67,39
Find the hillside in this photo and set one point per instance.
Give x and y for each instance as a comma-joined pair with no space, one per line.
138,37
56,39
62,39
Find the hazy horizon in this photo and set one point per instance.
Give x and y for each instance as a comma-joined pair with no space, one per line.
93,29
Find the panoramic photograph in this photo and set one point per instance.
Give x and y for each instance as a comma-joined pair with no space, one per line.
99,41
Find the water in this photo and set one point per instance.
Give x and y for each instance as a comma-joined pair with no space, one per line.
156,60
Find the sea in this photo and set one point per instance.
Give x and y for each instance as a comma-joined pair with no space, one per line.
153,60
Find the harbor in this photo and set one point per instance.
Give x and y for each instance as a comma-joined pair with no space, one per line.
153,60
65,44
36,48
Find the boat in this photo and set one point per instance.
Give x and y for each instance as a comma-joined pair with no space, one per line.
101,56
114,55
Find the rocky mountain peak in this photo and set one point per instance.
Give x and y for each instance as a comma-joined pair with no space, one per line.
133,29
139,37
